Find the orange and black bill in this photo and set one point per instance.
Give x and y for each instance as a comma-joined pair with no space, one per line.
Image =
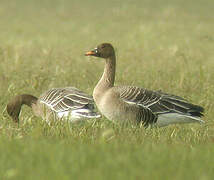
91,53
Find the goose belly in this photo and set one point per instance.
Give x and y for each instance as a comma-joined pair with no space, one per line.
117,112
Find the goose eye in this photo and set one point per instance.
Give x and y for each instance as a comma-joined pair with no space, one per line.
95,50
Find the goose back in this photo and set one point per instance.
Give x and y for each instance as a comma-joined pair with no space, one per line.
69,101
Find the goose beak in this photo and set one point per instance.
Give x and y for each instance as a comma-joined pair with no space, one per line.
92,53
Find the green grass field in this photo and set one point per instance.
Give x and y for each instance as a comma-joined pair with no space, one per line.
165,45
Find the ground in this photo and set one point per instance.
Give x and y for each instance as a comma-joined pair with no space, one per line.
165,45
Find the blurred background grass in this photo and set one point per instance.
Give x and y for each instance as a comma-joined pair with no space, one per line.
165,45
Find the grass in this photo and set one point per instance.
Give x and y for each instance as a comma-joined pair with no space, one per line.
164,45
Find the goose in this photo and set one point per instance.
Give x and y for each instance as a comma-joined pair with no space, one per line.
57,103
135,104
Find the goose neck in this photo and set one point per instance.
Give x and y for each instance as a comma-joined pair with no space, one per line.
28,99
108,77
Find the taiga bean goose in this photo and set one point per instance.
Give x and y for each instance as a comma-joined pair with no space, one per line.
126,103
59,103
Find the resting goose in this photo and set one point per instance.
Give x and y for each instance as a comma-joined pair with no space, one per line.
127,103
59,103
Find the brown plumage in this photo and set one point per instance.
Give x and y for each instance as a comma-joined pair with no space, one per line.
127,103
56,103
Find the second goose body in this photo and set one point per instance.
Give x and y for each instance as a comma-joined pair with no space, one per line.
57,103
139,105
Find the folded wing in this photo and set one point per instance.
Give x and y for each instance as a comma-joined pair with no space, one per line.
155,103
70,100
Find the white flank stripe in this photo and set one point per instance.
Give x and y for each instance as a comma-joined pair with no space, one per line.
175,118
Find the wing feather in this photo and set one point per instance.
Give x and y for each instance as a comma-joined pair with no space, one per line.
64,99
157,102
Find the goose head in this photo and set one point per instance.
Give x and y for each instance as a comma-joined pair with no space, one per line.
13,108
104,50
